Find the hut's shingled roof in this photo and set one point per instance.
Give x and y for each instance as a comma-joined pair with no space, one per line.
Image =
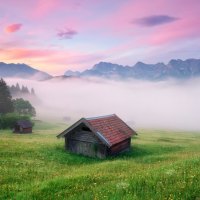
24,123
112,128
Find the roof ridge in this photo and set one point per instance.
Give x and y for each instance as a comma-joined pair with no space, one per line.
100,117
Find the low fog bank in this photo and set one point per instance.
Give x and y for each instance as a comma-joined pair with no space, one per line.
167,105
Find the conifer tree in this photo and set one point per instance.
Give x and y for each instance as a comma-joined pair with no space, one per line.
6,104
17,88
32,91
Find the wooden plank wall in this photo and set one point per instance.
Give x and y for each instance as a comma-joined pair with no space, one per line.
27,130
120,147
86,143
86,136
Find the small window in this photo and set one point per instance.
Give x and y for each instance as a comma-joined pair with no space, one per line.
84,128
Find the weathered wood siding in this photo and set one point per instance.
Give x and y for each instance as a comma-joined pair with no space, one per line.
85,143
27,130
22,130
120,147
86,136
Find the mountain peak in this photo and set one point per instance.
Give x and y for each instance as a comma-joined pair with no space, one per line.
22,70
105,66
140,63
176,68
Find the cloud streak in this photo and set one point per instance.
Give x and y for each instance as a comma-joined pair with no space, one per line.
67,33
154,20
13,28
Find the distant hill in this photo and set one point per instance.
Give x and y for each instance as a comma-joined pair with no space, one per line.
72,73
174,69
22,71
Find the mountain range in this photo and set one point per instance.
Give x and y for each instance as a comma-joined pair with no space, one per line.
179,69
174,69
22,71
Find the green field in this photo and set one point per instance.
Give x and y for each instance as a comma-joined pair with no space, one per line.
161,165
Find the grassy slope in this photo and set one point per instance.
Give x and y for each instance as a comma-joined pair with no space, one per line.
161,165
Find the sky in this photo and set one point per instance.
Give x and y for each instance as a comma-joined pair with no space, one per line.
59,35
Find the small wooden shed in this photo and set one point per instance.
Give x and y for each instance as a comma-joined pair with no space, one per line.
23,126
98,136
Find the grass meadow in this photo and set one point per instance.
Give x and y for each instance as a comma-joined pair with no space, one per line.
161,165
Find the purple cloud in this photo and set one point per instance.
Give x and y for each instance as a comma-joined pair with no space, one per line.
66,34
155,20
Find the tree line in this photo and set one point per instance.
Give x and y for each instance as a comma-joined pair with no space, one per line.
15,90
12,110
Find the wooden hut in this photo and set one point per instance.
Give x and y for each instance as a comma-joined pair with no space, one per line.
98,136
23,126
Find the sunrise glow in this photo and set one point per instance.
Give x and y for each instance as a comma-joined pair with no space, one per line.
57,35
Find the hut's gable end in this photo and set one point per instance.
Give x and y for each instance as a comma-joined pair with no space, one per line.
86,148
83,133
84,136
85,143
82,140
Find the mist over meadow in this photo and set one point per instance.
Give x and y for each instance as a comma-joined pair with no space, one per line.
166,104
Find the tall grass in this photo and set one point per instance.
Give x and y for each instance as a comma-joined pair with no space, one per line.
160,165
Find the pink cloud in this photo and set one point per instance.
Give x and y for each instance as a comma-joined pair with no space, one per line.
24,53
49,59
13,28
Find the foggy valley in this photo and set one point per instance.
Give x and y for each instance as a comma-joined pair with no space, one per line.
168,104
